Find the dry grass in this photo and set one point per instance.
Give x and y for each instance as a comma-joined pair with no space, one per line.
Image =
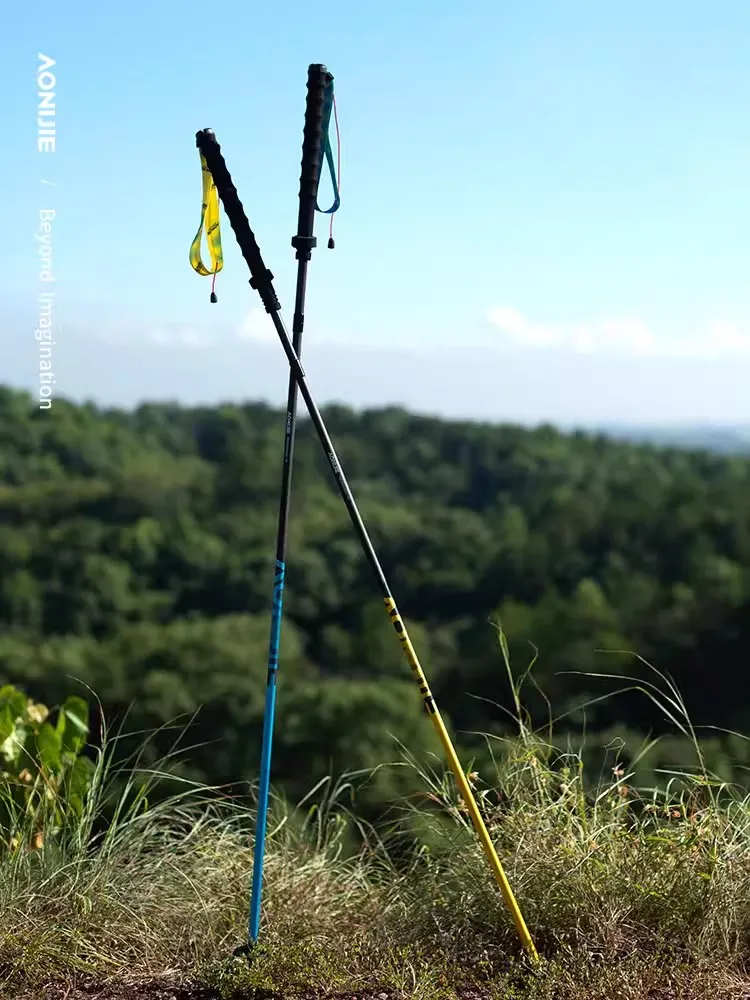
626,895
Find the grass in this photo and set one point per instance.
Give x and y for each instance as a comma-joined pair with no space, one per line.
629,894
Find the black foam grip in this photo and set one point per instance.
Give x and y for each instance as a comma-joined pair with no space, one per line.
260,277
318,80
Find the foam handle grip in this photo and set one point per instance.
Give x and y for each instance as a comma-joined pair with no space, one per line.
260,277
318,80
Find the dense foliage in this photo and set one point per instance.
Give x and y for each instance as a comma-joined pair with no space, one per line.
136,557
44,774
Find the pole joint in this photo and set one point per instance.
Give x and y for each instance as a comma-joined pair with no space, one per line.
304,245
263,284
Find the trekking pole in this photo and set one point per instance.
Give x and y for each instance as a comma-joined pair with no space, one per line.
261,280
317,116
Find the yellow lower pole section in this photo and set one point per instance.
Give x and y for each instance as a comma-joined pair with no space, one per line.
466,793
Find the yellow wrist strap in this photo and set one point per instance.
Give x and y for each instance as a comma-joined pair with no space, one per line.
209,222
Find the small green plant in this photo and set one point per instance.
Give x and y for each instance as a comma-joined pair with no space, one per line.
45,776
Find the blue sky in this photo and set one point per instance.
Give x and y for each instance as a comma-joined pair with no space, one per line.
544,205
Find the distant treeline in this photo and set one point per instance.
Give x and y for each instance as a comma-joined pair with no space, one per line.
136,556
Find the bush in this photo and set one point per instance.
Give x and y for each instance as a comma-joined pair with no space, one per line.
45,776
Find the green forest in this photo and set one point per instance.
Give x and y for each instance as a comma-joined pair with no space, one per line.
136,555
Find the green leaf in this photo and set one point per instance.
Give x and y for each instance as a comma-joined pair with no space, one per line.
78,782
13,700
73,725
13,746
49,747
504,646
7,723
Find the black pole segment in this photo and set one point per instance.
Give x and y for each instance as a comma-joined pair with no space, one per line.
318,78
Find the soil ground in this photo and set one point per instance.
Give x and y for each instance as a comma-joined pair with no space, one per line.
160,991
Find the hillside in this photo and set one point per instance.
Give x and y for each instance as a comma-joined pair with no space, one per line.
136,554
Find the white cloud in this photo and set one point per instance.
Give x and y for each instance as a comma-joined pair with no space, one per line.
627,335
257,325
179,336
521,330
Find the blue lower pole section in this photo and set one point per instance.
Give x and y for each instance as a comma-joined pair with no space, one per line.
265,755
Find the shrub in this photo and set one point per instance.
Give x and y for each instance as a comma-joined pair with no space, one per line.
45,775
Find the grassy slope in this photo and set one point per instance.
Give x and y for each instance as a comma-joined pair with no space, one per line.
627,896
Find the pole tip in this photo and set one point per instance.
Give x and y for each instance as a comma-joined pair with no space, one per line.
244,951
